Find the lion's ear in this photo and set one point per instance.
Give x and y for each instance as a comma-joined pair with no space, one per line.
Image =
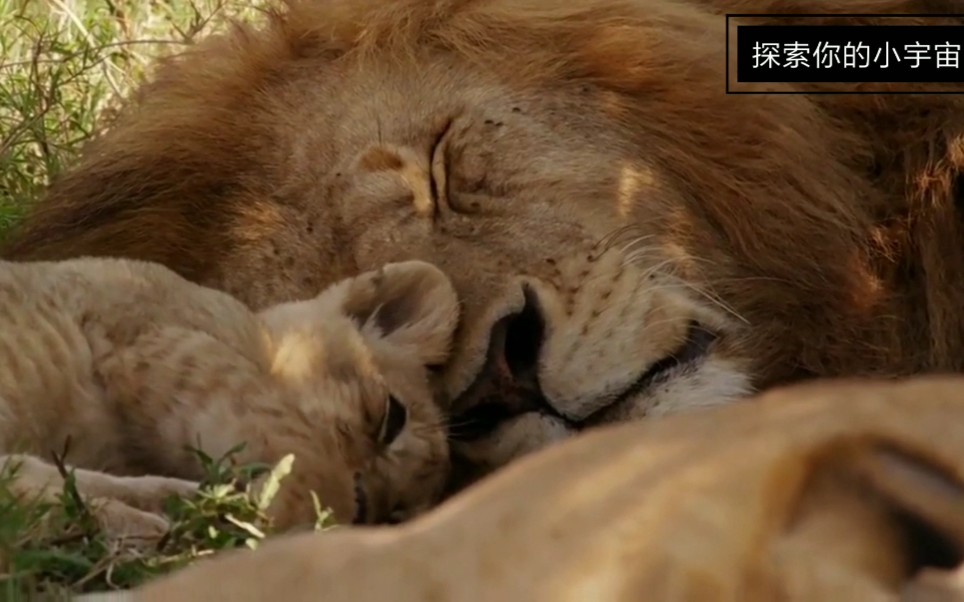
410,304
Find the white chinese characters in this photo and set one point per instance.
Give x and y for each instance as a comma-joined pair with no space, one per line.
823,55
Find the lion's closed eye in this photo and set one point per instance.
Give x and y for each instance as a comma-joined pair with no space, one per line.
396,416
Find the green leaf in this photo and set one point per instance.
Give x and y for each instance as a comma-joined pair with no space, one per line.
324,517
273,481
245,526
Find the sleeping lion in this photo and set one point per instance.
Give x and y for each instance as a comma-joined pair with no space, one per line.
627,240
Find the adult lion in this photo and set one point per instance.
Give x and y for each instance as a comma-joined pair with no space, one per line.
627,239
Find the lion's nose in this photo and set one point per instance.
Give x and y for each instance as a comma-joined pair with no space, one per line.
509,382
521,339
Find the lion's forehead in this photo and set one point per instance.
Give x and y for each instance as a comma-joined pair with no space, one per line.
517,174
525,134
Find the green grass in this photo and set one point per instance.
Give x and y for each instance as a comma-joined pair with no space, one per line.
49,550
66,67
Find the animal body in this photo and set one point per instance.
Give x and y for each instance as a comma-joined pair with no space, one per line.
135,365
628,240
840,492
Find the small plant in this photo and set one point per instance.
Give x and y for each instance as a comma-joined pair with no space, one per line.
50,550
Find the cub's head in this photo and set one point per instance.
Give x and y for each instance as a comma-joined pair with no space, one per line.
354,363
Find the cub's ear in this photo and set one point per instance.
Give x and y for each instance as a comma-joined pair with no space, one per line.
410,304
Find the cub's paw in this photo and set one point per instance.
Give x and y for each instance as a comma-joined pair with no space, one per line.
125,524
149,493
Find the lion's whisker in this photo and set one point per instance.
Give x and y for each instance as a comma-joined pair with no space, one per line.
714,300
607,241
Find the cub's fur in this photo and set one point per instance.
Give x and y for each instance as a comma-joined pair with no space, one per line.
133,364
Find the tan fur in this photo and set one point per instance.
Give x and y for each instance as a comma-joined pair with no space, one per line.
583,150
842,492
133,364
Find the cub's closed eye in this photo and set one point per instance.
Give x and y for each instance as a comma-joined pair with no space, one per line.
396,415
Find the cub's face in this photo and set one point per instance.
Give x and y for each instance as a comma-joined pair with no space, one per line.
355,363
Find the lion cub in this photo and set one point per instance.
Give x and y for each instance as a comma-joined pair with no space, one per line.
133,363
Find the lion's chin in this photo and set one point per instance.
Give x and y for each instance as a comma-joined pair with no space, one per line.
518,436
